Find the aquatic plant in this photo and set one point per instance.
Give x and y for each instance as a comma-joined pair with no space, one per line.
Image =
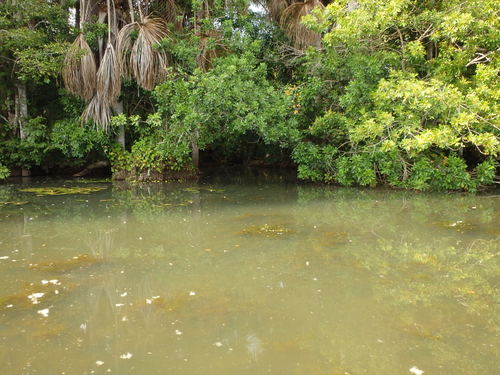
40,192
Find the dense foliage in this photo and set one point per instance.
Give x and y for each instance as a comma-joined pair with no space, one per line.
366,92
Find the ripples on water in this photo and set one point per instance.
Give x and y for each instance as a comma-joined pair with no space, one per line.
246,277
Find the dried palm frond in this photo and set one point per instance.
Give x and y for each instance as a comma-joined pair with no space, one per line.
138,56
168,10
276,8
108,77
79,70
125,42
291,21
99,112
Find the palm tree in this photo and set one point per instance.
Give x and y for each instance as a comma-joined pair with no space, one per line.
129,52
288,15
135,28
79,69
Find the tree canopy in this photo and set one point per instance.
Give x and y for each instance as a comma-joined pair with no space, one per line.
364,92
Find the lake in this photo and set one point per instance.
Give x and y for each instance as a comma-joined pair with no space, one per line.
246,275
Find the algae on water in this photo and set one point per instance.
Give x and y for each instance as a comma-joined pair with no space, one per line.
40,192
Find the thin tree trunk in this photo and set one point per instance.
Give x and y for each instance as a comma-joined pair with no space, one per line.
21,115
77,14
21,108
195,150
120,135
100,41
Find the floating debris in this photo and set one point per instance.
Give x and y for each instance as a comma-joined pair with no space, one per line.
53,282
416,371
40,192
35,297
267,230
149,301
44,312
126,356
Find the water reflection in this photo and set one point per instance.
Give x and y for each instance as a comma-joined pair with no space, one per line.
247,278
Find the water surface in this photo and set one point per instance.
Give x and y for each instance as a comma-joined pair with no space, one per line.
246,277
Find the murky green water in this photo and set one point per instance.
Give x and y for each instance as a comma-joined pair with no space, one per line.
247,277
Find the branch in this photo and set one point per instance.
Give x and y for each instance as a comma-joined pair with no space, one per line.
481,57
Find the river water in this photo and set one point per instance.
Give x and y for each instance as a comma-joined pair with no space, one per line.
246,276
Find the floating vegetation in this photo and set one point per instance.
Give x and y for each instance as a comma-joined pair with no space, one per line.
90,180
15,203
192,190
198,189
459,225
267,230
423,258
41,192
77,262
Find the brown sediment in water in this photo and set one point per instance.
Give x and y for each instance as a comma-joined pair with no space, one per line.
48,330
21,301
417,330
62,266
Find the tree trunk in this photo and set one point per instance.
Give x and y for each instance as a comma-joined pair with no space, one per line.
195,150
101,18
77,14
120,135
21,115
21,109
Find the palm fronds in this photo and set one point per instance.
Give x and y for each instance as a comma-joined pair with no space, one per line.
108,77
276,8
99,112
291,22
79,70
168,10
138,56
125,43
